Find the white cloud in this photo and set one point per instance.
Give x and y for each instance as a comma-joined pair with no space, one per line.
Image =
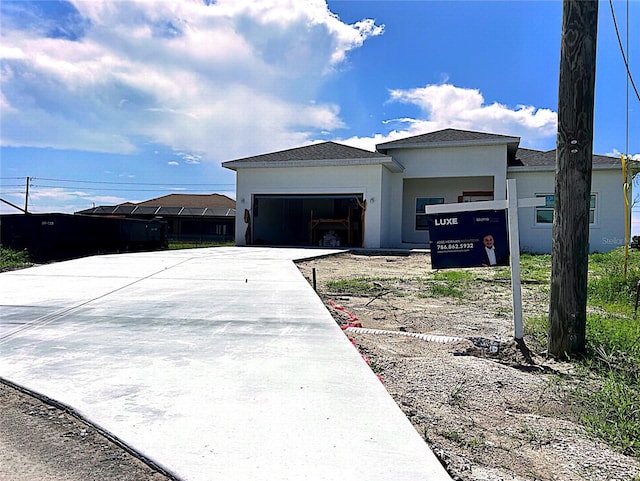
616,153
185,74
447,106
173,162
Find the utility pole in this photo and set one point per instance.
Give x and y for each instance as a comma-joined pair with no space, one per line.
574,157
26,197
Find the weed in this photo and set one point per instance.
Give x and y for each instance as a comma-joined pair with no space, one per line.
459,439
533,437
456,396
454,436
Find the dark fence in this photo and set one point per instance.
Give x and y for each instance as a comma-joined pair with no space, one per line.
64,236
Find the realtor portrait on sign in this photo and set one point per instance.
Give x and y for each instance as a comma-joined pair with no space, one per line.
493,255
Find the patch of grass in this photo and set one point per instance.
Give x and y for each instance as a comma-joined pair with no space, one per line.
608,402
12,259
358,285
536,332
445,290
456,276
608,288
198,245
448,283
535,267
612,412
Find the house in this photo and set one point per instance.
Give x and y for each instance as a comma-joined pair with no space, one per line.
333,194
200,217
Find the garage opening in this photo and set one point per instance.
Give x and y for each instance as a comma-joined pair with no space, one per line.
329,220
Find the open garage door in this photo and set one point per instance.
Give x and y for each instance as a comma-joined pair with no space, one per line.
329,220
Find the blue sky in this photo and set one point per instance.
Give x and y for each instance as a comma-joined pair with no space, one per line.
104,102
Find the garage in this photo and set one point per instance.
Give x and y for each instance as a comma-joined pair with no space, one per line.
329,220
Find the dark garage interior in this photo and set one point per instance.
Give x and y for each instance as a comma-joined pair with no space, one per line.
329,220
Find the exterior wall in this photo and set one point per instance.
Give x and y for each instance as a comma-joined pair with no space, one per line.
476,161
440,172
366,180
448,188
605,234
387,201
434,172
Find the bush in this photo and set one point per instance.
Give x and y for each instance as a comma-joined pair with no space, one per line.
12,259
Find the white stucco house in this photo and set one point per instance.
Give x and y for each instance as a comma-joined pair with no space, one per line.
333,194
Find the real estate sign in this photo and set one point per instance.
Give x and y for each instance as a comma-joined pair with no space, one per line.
469,239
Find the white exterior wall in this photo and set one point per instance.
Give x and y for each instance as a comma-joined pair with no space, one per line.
473,161
434,172
605,234
386,202
449,188
366,180
454,169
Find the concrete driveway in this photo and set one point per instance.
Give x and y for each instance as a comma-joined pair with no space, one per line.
217,364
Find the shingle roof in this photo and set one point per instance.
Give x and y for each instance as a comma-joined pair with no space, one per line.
448,136
321,151
172,205
191,200
538,158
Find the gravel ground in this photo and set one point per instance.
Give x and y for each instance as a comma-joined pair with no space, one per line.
489,412
41,442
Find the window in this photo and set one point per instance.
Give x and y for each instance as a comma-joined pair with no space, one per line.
421,217
544,213
475,195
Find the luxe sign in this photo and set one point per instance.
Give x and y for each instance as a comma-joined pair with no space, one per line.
465,242
469,239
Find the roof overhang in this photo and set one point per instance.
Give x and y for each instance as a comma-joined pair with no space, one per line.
552,168
387,162
509,141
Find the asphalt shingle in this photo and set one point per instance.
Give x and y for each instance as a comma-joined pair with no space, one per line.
321,151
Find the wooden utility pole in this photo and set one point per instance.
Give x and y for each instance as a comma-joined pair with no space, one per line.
574,154
26,197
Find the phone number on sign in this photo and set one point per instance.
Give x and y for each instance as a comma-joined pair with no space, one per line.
455,247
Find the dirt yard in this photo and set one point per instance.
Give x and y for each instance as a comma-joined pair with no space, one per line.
486,411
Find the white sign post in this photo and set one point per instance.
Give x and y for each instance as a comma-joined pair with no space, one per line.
511,205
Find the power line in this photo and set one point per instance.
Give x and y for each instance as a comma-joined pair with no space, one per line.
129,183
624,57
105,189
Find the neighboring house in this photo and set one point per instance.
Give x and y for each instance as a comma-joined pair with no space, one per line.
332,194
201,217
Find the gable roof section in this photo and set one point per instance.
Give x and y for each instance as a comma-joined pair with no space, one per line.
529,159
322,154
449,138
